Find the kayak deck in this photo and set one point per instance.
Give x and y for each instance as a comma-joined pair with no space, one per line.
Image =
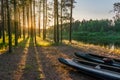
99,59
90,68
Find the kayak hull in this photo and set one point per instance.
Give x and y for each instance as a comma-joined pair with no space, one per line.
98,59
90,69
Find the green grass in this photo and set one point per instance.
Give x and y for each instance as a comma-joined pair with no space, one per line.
4,46
101,38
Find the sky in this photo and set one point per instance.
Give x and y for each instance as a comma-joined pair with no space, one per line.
93,9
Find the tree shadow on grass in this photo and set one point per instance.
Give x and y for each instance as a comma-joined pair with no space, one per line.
9,63
48,68
49,60
66,51
31,70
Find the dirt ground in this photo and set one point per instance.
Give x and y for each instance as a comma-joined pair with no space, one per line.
41,63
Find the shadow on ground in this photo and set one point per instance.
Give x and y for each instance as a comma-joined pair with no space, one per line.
31,62
9,62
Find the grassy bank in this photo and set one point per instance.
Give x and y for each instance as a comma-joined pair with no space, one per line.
99,38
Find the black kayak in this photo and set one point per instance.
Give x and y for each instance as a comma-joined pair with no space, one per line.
93,69
99,59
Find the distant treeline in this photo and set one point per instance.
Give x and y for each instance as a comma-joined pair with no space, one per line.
100,32
103,25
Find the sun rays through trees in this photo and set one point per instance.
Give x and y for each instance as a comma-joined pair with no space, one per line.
31,18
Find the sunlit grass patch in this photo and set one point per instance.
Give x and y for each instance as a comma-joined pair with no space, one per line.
3,46
24,43
2,51
44,43
20,39
86,45
75,43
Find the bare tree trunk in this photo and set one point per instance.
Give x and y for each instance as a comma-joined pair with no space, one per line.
5,19
44,19
39,19
55,40
61,19
23,21
34,23
56,24
16,23
54,35
9,27
19,23
3,26
31,19
28,19
71,11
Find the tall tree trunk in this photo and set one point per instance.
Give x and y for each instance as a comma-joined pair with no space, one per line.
31,19
5,19
39,18
34,23
46,16
3,26
9,27
44,19
16,23
19,20
56,24
61,19
71,11
28,20
55,21
23,20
